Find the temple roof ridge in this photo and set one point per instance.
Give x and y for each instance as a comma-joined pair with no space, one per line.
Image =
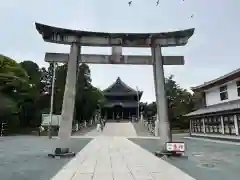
121,84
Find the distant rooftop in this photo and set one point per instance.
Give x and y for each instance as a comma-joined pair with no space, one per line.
218,81
121,88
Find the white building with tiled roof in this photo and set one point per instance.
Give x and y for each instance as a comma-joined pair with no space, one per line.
219,111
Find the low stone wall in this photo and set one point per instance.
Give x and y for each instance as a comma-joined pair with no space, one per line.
75,128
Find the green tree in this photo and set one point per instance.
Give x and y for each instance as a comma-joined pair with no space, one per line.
31,112
14,86
150,110
180,102
88,98
25,91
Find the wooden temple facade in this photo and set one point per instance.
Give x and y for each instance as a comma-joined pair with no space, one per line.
122,101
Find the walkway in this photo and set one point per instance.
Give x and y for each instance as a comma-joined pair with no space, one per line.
125,129
116,158
111,156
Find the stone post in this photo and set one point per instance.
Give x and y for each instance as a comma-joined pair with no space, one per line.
65,129
222,125
190,127
162,107
141,118
77,127
203,124
236,124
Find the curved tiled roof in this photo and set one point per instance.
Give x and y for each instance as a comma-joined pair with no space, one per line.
219,80
119,87
47,33
119,83
221,107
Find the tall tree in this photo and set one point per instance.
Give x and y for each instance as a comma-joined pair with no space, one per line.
180,102
87,97
14,88
31,111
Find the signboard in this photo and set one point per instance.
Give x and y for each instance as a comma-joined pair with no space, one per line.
46,120
175,146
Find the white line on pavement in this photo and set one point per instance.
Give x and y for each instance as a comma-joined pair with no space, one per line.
211,140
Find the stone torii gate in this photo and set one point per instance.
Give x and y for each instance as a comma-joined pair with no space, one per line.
76,39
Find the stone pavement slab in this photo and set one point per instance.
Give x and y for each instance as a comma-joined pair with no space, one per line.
115,158
207,159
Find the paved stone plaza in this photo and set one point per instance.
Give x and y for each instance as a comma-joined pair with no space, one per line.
207,159
25,157
117,153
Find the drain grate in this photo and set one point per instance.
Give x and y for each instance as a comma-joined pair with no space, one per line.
208,165
197,154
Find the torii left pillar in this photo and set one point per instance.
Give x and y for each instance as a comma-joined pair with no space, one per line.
65,129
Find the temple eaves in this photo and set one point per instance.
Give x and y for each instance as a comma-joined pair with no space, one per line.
122,88
87,38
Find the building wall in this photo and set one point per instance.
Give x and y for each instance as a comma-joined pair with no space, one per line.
213,94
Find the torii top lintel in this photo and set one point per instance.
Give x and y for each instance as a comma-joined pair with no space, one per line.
88,38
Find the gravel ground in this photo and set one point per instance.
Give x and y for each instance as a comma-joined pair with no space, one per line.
206,160
25,157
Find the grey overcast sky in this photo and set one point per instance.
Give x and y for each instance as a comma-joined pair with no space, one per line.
211,52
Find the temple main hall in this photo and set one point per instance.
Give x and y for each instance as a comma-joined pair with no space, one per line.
122,101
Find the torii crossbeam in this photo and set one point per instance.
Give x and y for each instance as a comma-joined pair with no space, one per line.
108,59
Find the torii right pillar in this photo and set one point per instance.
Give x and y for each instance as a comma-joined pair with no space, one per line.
161,100
168,40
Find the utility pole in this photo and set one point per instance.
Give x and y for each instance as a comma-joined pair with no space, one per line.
52,99
138,103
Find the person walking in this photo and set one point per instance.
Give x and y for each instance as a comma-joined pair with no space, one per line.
104,122
98,125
